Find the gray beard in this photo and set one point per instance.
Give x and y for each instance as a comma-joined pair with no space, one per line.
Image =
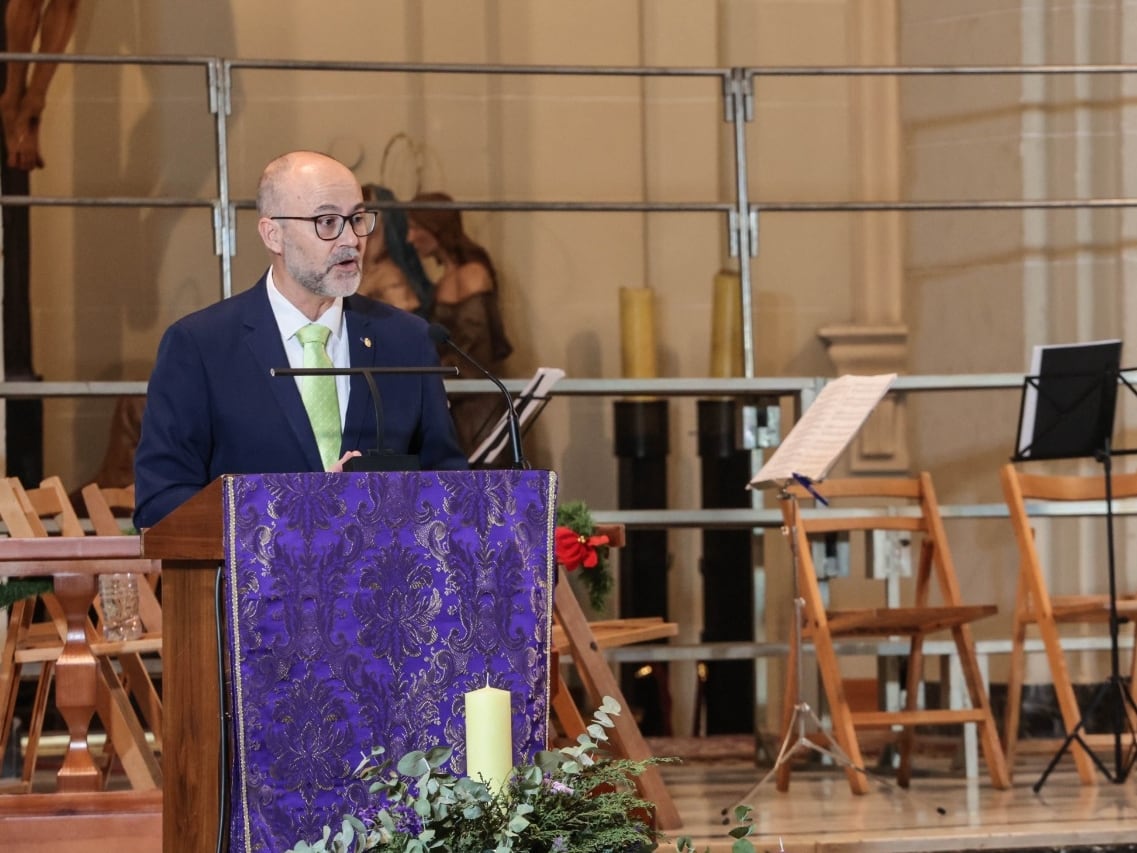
327,283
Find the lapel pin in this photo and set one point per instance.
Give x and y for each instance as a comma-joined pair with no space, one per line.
367,342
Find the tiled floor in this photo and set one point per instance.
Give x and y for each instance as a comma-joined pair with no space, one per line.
941,811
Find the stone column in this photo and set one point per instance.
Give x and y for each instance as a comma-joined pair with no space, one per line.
876,339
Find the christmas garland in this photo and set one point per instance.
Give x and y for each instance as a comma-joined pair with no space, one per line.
578,547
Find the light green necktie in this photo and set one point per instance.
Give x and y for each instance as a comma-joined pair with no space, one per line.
319,393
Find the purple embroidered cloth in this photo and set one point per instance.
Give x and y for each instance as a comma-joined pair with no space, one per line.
360,608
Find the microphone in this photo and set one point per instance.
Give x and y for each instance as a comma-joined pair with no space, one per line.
380,458
441,335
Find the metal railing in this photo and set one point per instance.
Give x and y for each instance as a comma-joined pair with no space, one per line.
737,92
742,212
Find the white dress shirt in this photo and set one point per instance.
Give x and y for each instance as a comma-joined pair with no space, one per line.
290,320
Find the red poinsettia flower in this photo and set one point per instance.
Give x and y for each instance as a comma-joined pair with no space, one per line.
575,550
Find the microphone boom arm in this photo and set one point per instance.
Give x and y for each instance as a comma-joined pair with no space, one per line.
368,374
441,335
366,371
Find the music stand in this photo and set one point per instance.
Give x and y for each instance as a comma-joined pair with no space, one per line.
530,403
805,457
1067,412
1068,402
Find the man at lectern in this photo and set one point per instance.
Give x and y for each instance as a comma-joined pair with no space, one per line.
213,406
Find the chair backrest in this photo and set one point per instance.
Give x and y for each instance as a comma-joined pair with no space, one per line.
101,503
48,501
14,515
901,504
1066,490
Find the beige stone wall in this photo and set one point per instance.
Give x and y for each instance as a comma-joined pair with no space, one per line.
983,288
965,269
930,293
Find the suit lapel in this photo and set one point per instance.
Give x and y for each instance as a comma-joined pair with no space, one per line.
359,424
263,338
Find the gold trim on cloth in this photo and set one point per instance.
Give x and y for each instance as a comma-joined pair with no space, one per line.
228,489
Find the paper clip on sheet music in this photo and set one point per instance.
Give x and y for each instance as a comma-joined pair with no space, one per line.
807,484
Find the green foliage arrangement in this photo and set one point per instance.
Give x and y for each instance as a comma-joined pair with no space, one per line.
571,800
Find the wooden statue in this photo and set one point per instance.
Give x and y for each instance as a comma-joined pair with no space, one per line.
24,96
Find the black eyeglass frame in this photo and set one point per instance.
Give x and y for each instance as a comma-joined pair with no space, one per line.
360,216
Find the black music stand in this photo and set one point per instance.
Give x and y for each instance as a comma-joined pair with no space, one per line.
530,403
1067,412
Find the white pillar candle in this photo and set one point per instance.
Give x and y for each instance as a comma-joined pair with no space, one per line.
489,737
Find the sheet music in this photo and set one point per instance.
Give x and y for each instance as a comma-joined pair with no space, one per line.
825,430
528,404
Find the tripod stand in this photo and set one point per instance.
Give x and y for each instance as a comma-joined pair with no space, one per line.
806,455
1123,709
800,714
1067,411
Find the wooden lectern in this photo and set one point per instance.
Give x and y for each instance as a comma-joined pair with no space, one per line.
189,544
381,597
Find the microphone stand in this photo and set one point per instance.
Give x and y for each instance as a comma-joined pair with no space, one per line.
441,335
380,458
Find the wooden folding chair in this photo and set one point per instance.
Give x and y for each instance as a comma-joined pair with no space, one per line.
104,505
102,502
26,638
1034,605
574,635
24,512
936,606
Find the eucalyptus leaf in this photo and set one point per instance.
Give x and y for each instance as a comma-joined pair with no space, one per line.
438,755
414,764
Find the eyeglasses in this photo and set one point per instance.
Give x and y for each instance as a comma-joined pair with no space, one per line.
329,226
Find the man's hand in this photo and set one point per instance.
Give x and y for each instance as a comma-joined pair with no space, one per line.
338,467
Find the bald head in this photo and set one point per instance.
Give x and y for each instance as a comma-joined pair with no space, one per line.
295,176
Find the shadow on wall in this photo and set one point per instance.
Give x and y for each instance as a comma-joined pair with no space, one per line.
134,268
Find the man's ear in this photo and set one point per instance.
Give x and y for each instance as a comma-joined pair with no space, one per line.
270,234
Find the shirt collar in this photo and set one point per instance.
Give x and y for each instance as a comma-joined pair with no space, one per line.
290,319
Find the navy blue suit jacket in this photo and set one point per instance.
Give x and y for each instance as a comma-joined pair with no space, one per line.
212,407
